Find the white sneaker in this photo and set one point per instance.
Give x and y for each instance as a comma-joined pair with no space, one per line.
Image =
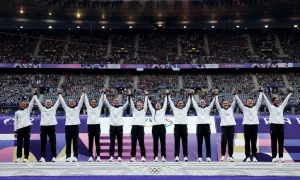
119,159
42,160
274,160
208,159
98,159
163,159
74,159
248,160
25,160
156,159
222,158
68,159
185,159
254,159
231,159
281,160
53,159
111,159
18,160
132,159
143,159
176,159
90,159
199,159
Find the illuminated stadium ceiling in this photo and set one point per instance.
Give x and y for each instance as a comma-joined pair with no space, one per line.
172,14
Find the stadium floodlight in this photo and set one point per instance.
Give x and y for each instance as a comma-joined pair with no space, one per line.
21,11
237,26
21,27
213,27
266,26
50,27
130,27
78,15
103,27
295,26
50,13
184,27
78,27
159,25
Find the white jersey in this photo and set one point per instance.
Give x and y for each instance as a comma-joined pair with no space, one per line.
72,114
22,117
116,113
250,113
93,113
276,113
48,115
227,116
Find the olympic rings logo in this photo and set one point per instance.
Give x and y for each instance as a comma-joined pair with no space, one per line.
154,170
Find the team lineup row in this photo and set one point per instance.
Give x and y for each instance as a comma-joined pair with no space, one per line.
22,125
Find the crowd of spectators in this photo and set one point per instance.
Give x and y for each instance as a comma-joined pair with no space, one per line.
230,46
17,47
223,46
17,87
14,88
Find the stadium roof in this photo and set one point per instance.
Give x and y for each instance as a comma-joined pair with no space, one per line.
144,14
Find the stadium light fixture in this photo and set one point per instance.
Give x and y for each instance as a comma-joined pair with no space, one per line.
21,27
159,25
78,27
130,27
213,27
78,15
184,27
50,27
237,26
295,26
266,26
50,13
103,27
21,11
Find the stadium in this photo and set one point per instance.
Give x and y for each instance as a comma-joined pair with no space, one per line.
149,89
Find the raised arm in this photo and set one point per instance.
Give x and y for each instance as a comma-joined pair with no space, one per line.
56,104
195,105
188,103
151,107
233,104
211,105
239,102
259,100
62,101
80,103
284,103
170,100
30,106
146,101
101,102
40,106
130,99
268,104
164,107
126,104
218,103
86,101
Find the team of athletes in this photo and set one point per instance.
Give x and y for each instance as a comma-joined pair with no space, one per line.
72,111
